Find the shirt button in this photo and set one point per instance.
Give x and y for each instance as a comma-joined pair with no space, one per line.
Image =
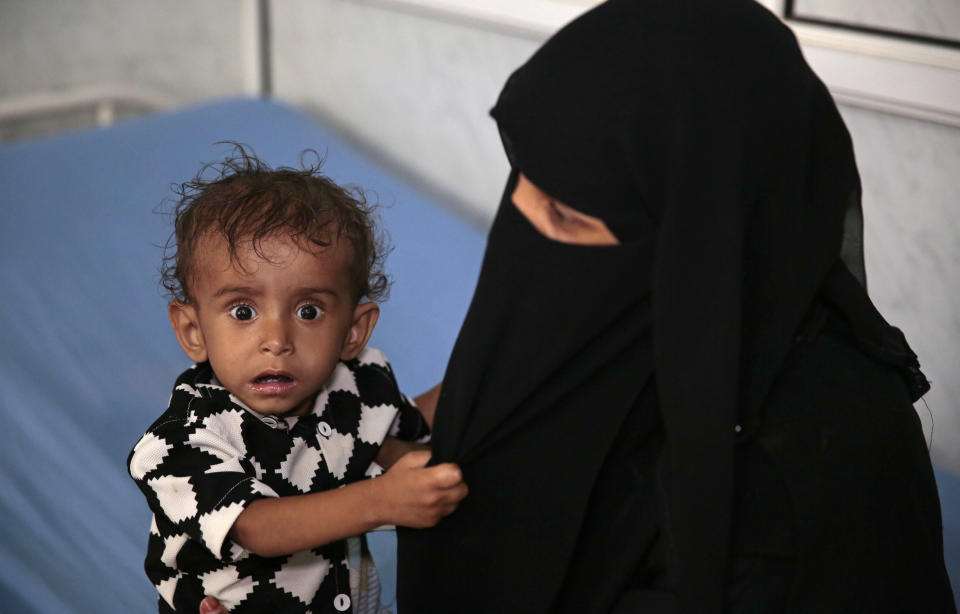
737,428
324,429
271,422
341,602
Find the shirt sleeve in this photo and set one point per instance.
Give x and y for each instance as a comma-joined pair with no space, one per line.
197,480
409,424
377,387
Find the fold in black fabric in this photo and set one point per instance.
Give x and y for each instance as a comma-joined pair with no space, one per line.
697,132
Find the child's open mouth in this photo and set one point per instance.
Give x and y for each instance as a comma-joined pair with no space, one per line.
273,383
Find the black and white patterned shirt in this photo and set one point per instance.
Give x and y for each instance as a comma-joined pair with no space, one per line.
209,456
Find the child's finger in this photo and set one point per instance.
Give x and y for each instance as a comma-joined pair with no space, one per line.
209,605
450,507
458,493
453,495
417,458
446,475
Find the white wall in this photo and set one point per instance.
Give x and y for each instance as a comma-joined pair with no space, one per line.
937,18
910,171
187,50
414,87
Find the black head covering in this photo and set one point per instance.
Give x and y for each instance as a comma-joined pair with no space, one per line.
697,131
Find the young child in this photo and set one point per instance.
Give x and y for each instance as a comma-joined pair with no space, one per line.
255,473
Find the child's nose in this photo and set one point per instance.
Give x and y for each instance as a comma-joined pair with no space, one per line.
276,338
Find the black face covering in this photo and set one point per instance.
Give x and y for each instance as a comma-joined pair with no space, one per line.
698,133
553,353
547,317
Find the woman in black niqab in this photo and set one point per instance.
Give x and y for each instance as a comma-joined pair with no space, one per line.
710,415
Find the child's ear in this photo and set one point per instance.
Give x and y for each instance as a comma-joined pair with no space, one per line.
186,325
364,319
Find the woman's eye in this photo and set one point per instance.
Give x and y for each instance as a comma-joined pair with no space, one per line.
564,215
557,213
243,312
309,312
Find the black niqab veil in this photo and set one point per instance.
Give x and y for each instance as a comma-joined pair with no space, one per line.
696,130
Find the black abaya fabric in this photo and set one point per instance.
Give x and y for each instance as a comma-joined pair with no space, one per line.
695,129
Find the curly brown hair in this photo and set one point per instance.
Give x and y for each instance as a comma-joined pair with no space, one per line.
247,201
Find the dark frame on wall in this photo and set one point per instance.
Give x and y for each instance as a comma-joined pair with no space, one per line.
790,14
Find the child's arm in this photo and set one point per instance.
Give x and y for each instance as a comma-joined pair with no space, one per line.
427,403
409,494
392,449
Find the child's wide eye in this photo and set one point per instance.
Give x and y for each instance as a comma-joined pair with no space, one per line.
309,312
243,312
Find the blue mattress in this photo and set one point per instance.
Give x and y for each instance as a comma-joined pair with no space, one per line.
88,358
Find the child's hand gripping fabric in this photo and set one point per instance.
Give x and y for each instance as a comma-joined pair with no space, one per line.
414,495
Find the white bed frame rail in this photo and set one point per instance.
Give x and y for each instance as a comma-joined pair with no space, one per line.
101,101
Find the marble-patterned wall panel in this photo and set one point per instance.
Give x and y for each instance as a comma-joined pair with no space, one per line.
936,18
414,88
910,171
185,50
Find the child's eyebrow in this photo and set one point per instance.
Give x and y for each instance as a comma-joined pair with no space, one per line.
235,290
317,290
